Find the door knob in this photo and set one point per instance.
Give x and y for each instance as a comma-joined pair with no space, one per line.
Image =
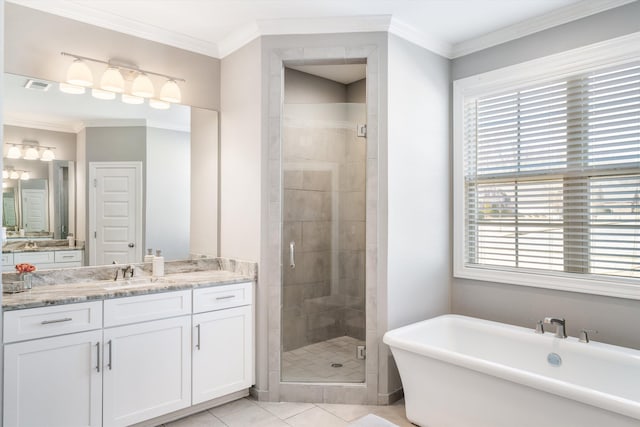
131,245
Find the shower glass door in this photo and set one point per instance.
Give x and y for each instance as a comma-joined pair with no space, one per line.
323,259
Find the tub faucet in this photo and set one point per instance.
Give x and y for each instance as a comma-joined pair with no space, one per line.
560,325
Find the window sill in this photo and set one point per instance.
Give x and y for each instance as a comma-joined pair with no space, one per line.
595,285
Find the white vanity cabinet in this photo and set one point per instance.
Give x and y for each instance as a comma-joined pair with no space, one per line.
222,341
44,260
147,365
55,380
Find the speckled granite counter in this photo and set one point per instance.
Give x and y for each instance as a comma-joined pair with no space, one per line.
82,284
14,246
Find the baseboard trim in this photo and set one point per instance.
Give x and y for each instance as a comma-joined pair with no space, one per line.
390,398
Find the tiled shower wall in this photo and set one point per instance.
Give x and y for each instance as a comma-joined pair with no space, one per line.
324,214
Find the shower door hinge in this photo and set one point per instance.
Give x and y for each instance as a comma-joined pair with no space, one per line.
361,352
361,131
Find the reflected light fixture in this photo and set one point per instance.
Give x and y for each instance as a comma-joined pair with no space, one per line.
24,176
158,104
5,174
72,89
130,99
112,80
31,154
14,175
5,185
79,74
103,94
14,153
170,92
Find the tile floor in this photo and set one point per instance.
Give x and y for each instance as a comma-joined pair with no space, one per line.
251,413
312,363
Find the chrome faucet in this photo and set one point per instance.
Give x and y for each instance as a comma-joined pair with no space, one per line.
560,325
128,269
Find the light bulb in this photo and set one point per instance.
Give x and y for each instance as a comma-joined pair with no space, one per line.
130,99
112,80
24,176
5,184
72,89
5,174
103,94
14,153
170,92
79,74
159,105
31,154
142,86
48,155
14,175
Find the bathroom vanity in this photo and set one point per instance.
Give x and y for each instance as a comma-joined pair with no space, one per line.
117,353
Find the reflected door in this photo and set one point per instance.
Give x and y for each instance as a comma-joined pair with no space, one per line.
34,207
115,212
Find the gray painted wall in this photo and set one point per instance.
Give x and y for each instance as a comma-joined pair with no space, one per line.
614,318
418,254
35,39
357,91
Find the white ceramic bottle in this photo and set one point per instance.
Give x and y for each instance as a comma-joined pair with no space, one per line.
148,258
158,264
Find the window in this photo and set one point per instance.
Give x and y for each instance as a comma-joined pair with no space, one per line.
548,178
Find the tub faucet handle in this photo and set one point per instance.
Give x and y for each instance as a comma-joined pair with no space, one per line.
540,327
584,335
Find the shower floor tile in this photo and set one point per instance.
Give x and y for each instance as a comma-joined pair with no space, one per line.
312,363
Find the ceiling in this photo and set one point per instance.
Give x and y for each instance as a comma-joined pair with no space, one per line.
216,28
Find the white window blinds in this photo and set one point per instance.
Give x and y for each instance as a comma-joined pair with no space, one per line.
552,176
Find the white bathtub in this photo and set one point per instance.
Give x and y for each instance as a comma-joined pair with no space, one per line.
464,372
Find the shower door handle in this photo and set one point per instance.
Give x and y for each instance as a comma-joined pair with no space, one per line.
292,254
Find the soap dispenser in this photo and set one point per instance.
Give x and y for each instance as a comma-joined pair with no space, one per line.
158,264
148,258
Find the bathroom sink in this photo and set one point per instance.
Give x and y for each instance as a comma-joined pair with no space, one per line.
135,282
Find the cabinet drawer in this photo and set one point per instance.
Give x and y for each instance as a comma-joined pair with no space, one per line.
33,257
49,321
219,297
122,311
7,260
68,256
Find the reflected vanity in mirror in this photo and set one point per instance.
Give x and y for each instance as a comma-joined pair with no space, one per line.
107,186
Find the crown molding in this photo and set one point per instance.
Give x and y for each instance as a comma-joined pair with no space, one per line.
527,27
83,12
25,122
413,35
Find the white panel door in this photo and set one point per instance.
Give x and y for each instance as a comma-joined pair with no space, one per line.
222,353
115,217
34,209
147,370
53,381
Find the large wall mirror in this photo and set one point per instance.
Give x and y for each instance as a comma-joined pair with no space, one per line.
88,136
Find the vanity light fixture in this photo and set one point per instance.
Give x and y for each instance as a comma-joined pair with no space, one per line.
79,74
5,174
14,152
114,79
14,174
170,92
24,176
48,155
31,153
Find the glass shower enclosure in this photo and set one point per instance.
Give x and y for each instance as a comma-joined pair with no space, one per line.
323,257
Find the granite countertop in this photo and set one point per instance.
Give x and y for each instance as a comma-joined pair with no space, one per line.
97,290
41,246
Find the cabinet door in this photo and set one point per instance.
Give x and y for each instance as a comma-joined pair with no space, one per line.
222,352
147,370
54,381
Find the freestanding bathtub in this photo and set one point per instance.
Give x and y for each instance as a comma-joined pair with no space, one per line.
464,372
